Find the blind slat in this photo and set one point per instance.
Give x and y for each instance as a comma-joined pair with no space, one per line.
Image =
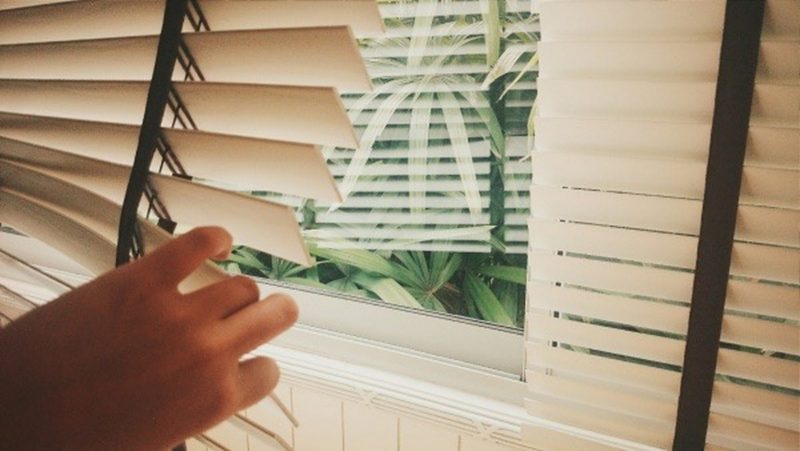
619,19
757,224
767,146
751,260
611,276
685,60
305,56
245,162
595,397
742,364
111,18
64,225
742,434
262,224
606,423
627,375
270,112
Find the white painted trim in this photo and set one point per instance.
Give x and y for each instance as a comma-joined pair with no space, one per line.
430,346
457,410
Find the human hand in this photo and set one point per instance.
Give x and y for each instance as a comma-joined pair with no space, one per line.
127,362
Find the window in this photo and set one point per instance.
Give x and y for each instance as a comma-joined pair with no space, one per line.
435,198
436,207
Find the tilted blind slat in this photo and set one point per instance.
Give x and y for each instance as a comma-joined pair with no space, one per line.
617,19
684,60
64,222
86,247
617,426
756,224
247,162
271,112
260,223
305,56
112,18
767,146
594,397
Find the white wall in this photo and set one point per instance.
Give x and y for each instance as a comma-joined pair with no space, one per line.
329,423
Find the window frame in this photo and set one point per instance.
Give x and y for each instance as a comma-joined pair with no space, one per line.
452,351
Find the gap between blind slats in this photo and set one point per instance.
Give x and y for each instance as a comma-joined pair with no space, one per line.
394,169
723,431
249,162
85,246
600,398
258,111
399,186
738,433
338,217
404,233
754,223
435,246
767,145
64,225
658,283
478,149
768,370
763,334
384,201
770,408
775,187
251,221
750,260
305,57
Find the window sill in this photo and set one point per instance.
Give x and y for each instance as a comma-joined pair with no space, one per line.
454,352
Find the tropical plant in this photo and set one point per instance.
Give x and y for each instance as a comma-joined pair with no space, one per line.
439,281
428,75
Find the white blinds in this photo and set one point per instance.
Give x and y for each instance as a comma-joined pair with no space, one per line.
253,98
256,96
626,96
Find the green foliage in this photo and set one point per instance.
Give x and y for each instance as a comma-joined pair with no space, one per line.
506,273
479,294
464,284
488,286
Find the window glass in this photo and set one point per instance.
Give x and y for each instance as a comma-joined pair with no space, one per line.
436,197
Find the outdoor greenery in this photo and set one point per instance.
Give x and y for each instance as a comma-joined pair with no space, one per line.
444,78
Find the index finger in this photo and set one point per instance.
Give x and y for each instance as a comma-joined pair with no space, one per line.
170,263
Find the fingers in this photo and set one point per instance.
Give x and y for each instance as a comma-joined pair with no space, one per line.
172,262
257,378
259,323
226,297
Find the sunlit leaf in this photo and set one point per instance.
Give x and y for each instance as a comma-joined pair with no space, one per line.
459,140
387,289
366,261
485,301
490,11
247,258
504,64
418,151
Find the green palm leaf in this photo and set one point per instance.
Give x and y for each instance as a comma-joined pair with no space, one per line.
484,300
507,273
387,289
